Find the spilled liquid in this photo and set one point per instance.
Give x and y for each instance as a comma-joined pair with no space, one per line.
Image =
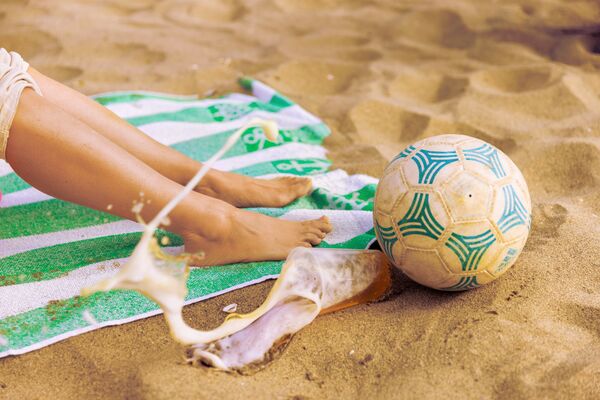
312,281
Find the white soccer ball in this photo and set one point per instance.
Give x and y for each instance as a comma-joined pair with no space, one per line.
452,212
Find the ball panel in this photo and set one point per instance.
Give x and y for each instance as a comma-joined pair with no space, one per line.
390,189
383,225
519,181
466,282
421,219
424,266
450,139
467,197
507,257
511,213
407,152
431,165
485,160
398,253
470,247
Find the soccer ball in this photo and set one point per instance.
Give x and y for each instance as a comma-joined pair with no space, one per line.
452,212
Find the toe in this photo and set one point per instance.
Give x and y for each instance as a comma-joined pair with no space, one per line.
286,189
317,231
304,185
323,224
313,239
299,187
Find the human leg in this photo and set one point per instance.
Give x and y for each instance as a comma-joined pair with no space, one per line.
62,156
238,190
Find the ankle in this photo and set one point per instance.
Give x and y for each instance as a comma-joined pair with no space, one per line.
221,185
216,225
209,184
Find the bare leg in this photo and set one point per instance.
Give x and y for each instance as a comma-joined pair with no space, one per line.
238,190
67,159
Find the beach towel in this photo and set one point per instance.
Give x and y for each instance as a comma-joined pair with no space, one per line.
51,249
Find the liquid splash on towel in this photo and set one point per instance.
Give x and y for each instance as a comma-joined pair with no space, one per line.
312,281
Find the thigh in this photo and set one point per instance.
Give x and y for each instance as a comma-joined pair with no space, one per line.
163,159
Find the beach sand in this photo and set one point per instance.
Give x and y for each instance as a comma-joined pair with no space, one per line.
522,75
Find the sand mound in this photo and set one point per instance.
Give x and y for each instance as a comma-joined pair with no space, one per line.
529,99
330,47
316,5
62,73
517,79
444,28
196,13
567,168
578,50
498,53
427,87
313,77
379,122
30,43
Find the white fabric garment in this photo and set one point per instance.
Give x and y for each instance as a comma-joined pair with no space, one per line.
13,79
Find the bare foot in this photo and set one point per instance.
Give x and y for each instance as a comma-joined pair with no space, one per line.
243,191
249,236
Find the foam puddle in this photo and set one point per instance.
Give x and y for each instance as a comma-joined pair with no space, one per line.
312,281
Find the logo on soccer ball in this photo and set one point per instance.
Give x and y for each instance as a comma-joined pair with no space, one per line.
452,212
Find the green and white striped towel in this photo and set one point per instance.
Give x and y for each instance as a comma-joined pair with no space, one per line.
50,249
